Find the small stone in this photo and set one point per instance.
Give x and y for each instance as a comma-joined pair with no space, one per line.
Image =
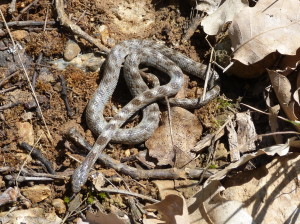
127,153
27,116
221,152
59,206
72,49
19,34
25,132
103,30
37,193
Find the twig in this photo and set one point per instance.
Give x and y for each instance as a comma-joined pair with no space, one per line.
39,156
195,22
170,120
117,191
282,118
207,75
65,21
8,77
58,176
25,178
206,141
64,95
27,77
12,7
25,9
8,89
9,105
29,23
135,173
45,23
36,73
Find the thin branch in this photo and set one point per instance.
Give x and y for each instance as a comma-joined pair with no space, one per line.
65,21
117,191
136,173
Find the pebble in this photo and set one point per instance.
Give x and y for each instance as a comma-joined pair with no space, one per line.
71,51
59,206
36,193
19,34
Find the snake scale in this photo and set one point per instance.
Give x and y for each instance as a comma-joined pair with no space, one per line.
133,53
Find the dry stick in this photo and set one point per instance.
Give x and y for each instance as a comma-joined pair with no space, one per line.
8,89
29,23
170,120
282,118
64,95
58,176
45,23
65,21
26,178
207,75
117,191
8,77
24,163
9,105
25,9
36,73
37,154
215,136
195,22
27,77
12,7
135,173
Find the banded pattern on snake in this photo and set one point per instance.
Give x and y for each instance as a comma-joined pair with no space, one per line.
137,51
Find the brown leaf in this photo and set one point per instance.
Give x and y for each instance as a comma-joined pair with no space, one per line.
173,210
186,131
101,218
258,31
213,23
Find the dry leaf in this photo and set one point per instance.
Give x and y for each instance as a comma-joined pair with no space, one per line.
208,6
186,131
213,23
233,142
283,90
273,121
246,132
101,218
31,215
207,206
243,139
270,192
173,210
268,27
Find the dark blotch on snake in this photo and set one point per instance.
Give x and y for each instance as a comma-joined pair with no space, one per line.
102,140
148,94
136,102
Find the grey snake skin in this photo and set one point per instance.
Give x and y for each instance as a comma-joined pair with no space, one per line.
133,53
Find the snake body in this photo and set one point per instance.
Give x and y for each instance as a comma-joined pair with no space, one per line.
137,52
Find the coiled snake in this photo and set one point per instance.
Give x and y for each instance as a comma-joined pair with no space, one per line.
136,52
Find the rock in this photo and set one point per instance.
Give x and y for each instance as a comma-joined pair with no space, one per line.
25,132
59,206
72,49
19,34
37,193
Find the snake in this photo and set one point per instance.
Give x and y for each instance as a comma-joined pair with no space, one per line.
132,53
